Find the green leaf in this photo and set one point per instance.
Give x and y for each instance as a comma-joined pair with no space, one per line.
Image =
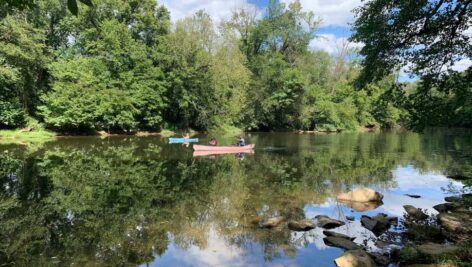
87,2
72,5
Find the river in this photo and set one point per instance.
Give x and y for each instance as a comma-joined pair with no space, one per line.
130,201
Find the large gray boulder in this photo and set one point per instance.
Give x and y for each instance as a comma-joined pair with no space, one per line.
341,242
354,258
361,195
327,222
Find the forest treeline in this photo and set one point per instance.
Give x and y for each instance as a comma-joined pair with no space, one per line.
124,66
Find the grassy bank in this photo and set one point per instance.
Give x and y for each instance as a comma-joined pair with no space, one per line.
26,136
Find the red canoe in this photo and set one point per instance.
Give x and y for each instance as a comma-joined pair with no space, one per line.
208,153
224,148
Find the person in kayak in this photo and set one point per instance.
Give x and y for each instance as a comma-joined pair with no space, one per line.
241,141
186,135
213,141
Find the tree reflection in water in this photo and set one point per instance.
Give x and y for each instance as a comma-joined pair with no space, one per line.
125,200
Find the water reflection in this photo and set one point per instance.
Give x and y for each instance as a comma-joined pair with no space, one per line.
141,201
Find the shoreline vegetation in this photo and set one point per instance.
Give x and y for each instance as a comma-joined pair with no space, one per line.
134,70
28,134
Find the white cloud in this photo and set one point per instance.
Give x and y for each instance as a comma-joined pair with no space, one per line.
217,9
333,12
332,44
462,65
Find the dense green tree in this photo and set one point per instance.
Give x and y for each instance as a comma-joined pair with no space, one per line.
109,78
428,34
119,66
428,37
23,58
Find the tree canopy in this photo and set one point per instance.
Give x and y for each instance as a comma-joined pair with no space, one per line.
124,66
427,38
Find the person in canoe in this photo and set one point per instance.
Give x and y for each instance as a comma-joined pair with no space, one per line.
213,141
241,141
186,136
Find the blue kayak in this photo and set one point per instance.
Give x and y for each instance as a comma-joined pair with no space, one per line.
182,140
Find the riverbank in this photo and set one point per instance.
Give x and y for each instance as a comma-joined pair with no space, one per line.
26,135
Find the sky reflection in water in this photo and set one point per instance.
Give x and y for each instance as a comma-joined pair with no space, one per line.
430,186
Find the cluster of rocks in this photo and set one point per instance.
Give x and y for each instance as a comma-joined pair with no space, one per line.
428,233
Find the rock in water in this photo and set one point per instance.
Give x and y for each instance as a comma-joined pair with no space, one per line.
327,222
340,242
453,199
445,207
273,222
361,195
331,233
302,225
457,222
350,218
380,259
415,212
361,206
413,196
354,258
377,224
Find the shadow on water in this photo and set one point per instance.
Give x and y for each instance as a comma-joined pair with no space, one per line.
139,200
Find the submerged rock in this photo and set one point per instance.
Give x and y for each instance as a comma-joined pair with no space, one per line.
361,195
377,224
413,196
415,213
273,222
354,258
327,222
302,225
341,242
331,233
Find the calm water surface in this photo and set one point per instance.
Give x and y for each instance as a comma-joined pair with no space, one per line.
139,201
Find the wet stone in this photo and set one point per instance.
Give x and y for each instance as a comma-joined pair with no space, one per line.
273,222
335,234
340,242
415,213
302,225
355,258
377,224
327,222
